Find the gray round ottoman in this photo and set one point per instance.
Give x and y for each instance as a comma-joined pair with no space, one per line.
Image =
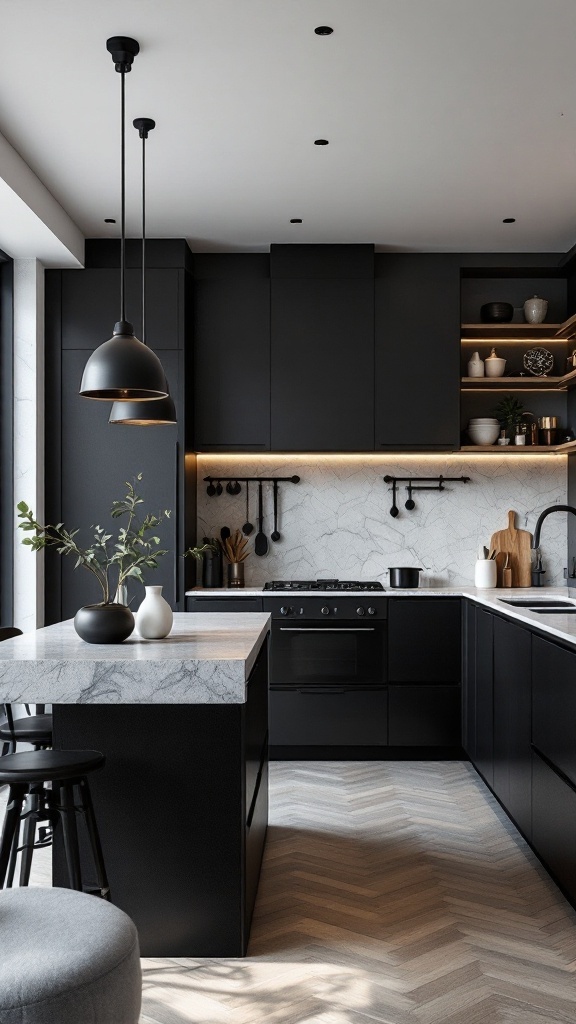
66,958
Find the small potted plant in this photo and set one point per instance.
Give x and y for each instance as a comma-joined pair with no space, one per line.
509,411
235,551
111,561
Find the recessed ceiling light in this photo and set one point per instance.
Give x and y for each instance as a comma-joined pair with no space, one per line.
109,220
509,220
296,220
323,30
321,142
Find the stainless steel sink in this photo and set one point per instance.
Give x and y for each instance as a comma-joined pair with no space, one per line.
535,603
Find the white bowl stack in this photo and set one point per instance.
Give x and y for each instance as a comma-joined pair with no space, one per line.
483,431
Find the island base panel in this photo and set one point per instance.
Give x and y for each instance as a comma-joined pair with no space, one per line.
181,857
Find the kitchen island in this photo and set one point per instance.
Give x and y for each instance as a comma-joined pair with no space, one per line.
182,802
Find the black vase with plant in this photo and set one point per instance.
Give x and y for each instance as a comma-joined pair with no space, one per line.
112,560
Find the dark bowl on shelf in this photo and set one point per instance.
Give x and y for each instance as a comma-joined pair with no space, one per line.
496,313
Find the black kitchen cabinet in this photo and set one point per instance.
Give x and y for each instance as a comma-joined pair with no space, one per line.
554,824
554,705
424,672
512,760
230,386
484,695
469,679
322,347
417,351
87,459
424,640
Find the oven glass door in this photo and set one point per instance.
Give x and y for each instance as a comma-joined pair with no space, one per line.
324,654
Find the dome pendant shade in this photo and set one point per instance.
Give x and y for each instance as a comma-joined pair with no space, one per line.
144,414
124,369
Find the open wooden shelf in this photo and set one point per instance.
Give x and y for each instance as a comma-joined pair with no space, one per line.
512,332
515,383
514,449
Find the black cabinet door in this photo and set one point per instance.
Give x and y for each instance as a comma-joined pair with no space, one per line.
322,369
554,704
424,640
424,716
328,716
485,695
417,331
469,680
554,824
230,388
512,780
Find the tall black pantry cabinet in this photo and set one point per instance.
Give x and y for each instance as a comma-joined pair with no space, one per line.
87,459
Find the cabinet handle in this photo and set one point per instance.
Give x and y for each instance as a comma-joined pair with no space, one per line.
323,689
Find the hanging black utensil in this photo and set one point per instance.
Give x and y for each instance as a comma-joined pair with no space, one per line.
394,510
211,490
248,527
260,540
233,487
410,504
224,533
275,535
218,488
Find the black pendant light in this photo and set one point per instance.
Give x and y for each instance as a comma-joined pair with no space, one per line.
123,367
161,412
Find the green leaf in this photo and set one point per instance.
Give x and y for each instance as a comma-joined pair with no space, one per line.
27,540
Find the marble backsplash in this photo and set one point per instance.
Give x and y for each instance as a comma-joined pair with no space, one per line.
336,522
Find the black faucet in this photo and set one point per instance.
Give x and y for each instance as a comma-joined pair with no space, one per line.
542,517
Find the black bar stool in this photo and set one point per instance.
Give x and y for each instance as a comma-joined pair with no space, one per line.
27,775
35,729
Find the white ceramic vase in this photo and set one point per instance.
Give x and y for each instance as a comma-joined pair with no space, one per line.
535,310
476,366
485,573
154,617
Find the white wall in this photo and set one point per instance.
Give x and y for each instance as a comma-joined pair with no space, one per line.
336,522
28,435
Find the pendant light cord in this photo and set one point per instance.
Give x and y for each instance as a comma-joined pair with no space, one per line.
144,238
123,198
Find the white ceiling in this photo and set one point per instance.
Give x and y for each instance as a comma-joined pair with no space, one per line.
443,116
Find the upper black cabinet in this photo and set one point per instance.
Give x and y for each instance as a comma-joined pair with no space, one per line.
417,304
231,382
322,356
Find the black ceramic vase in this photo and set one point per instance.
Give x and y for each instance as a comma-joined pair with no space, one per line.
104,623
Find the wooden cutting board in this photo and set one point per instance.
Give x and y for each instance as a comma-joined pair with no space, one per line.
516,544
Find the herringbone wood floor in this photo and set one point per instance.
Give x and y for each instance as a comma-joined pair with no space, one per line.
391,893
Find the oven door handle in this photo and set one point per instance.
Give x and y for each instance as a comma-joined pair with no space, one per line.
330,629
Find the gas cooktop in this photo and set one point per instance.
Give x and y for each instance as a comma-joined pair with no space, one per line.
322,585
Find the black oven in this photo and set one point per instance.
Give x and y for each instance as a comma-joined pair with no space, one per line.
328,642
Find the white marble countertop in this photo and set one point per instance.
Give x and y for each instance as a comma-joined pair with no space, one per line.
207,659
560,625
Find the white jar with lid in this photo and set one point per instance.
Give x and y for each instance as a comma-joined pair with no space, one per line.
535,310
494,365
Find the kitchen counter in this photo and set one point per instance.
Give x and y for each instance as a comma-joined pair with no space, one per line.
562,626
205,660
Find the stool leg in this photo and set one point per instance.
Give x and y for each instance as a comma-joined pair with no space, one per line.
70,834
13,857
30,822
95,844
11,827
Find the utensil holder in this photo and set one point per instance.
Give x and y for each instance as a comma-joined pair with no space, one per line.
485,573
235,574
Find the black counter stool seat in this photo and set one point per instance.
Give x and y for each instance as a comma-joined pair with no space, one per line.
27,775
35,729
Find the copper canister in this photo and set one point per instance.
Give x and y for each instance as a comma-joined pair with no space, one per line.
548,430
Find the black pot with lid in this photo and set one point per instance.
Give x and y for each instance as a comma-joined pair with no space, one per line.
404,578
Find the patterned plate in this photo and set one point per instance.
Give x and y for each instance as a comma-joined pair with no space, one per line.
538,361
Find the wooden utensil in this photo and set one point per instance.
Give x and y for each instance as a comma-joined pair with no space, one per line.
517,545
260,540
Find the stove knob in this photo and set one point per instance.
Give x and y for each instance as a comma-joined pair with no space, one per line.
285,611
360,611
325,611
371,611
